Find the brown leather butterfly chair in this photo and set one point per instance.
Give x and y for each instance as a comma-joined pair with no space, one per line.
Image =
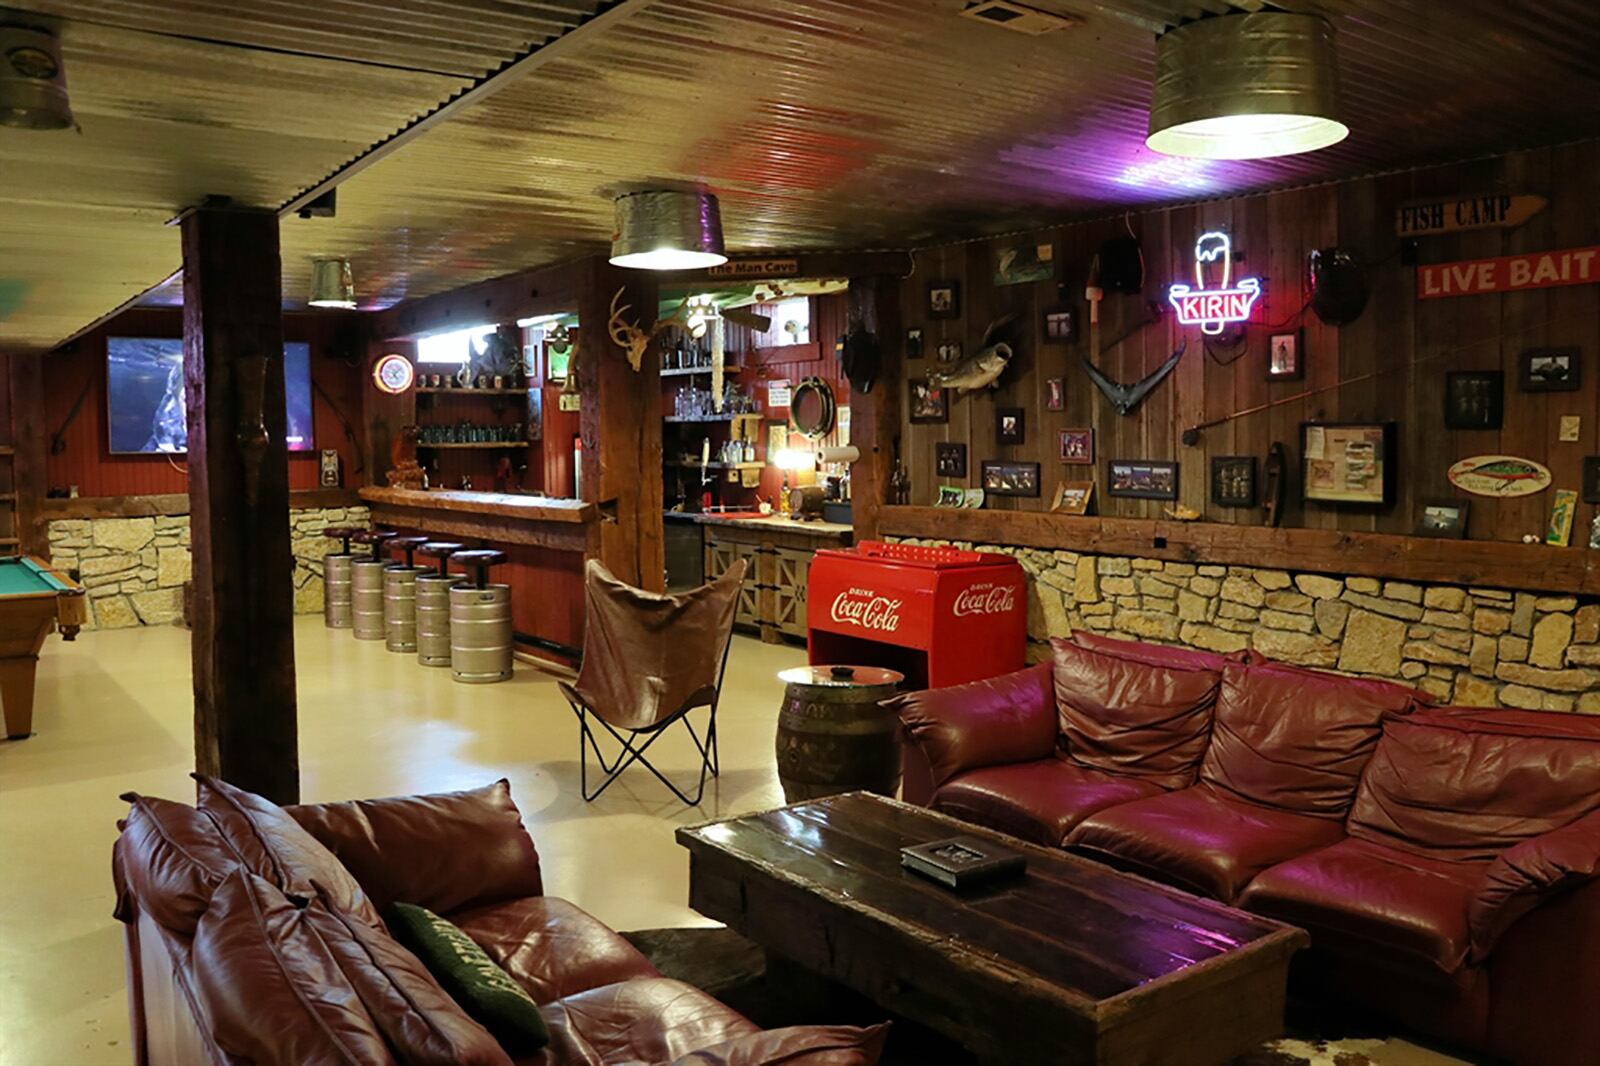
648,660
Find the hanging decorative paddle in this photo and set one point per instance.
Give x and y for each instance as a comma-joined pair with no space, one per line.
1126,397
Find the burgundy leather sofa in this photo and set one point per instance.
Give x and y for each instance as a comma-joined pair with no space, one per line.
254,936
1446,861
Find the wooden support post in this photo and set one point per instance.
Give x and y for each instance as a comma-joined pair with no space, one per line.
620,425
30,436
244,689
875,415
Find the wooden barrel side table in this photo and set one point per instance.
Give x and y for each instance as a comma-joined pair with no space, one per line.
832,735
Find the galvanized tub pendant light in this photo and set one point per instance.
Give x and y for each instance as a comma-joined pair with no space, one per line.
332,284
33,82
668,230
1246,87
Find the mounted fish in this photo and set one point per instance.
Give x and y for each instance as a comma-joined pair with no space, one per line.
1126,397
982,370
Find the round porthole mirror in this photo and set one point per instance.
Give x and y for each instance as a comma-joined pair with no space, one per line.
812,409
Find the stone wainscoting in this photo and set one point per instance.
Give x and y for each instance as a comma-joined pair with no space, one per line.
134,568
1476,647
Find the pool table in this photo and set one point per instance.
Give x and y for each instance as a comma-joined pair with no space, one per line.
34,599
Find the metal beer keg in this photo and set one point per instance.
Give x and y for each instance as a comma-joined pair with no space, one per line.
480,622
400,596
366,586
336,579
433,604
832,735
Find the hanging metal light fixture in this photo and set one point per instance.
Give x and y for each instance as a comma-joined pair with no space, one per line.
1246,87
332,284
667,230
33,83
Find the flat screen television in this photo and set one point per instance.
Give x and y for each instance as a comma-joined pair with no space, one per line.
144,395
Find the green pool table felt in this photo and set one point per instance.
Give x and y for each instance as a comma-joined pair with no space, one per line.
20,576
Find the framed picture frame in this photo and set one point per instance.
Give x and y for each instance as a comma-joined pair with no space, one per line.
1018,264
914,343
950,459
1055,394
1551,370
1348,462
1059,324
1076,446
1443,518
1010,425
1562,509
1233,480
1286,353
1474,399
1142,479
928,405
1002,477
944,298
1591,479
1073,497
949,351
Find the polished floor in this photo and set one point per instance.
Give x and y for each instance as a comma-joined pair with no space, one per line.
113,714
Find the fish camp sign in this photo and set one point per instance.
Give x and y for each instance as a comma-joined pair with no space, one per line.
1510,273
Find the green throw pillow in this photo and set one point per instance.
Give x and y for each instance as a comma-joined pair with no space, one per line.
487,993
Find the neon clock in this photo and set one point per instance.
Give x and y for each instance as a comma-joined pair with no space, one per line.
1212,309
393,374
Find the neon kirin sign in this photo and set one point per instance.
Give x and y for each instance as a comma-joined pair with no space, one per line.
1212,309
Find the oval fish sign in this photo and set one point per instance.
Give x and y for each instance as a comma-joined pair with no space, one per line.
1500,476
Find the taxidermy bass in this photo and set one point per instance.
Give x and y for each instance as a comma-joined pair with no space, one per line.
981,370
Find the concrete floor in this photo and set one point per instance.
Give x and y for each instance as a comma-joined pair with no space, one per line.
113,714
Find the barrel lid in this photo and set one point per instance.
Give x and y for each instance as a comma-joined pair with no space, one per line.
827,676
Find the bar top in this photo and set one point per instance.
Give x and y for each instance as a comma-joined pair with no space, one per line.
820,529
522,508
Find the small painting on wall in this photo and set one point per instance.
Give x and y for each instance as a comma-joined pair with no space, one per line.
1010,425
1285,356
1022,263
914,343
1060,324
1443,518
944,299
1233,480
1552,370
928,403
1077,445
1055,394
1142,479
1562,510
1474,399
1004,478
950,459
1073,497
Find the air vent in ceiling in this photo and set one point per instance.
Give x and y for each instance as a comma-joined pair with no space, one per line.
1016,17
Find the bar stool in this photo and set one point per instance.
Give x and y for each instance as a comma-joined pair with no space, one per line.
400,596
366,585
480,621
433,604
336,578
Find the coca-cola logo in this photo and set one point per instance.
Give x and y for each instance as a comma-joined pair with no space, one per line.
867,609
985,599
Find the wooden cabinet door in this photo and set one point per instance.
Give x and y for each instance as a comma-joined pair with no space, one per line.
793,570
720,557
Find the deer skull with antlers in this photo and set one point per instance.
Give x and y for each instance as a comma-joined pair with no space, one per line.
633,340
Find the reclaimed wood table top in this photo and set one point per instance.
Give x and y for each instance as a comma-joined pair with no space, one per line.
1072,961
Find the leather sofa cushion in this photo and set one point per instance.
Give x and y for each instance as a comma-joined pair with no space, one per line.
1530,874
1373,902
1006,719
800,1045
170,858
271,989
646,1020
445,852
552,948
1039,801
274,846
1130,717
1200,839
1296,739
1469,791
1155,654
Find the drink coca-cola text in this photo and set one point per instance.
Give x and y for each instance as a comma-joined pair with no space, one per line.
985,599
867,609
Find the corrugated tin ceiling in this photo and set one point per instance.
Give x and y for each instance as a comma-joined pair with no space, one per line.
822,123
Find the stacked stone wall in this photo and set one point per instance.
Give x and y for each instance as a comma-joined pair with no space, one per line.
1478,647
134,568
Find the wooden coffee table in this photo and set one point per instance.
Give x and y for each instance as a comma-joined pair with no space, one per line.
1071,963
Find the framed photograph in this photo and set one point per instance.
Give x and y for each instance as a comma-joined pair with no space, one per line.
928,404
1077,445
914,343
1142,479
1591,479
1055,394
950,352
536,414
944,299
1233,480
1562,510
1019,264
1474,399
1010,425
1570,429
1002,477
1443,518
1073,497
1286,356
950,459
1552,370
1348,462
1060,324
